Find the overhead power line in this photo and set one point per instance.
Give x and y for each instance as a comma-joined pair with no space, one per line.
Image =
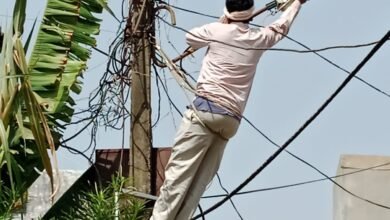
300,159
308,49
271,48
301,129
296,157
305,51
297,184
231,200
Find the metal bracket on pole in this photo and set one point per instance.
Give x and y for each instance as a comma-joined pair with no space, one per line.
140,195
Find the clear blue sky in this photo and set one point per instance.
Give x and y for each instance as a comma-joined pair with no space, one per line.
288,88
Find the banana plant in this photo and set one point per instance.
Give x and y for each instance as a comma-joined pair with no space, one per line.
35,92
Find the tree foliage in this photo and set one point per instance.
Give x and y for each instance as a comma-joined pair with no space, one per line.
35,94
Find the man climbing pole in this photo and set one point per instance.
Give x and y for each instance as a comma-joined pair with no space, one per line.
222,89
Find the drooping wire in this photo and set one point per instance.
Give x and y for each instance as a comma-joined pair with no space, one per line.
167,93
158,102
311,165
308,49
231,200
179,111
267,48
299,183
77,152
160,79
201,212
302,128
329,178
105,102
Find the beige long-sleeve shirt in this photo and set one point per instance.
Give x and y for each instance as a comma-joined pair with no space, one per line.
229,65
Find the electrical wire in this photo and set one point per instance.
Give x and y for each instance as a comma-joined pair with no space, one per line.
299,183
309,163
297,51
267,48
171,101
302,128
159,100
308,49
105,101
317,170
91,163
167,93
231,200
318,50
201,212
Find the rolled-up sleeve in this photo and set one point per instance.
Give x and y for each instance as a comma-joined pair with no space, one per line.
199,37
276,31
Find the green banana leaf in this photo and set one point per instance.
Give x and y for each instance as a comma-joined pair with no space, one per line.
35,95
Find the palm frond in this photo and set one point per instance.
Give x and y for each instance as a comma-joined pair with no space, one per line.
60,53
35,96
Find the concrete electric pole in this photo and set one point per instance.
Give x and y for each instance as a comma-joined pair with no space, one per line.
140,26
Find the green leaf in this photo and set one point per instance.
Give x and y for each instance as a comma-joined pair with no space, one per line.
35,96
27,44
19,16
7,153
104,4
28,151
41,135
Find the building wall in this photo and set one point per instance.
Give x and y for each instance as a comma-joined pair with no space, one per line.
39,193
373,185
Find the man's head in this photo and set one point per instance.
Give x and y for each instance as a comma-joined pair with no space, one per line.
238,5
239,10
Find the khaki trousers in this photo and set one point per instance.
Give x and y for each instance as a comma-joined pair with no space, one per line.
195,159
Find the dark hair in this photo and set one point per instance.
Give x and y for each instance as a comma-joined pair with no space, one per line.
238,5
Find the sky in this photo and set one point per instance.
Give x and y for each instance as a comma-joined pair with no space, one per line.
288,89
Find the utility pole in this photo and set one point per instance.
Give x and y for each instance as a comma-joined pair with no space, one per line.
139,28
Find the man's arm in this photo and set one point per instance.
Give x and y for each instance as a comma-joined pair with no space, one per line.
199,37
276,31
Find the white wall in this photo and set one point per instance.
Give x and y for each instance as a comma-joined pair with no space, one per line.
373,185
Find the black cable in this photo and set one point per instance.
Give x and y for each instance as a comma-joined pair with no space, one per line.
100,101
303,161
293,50
159,100
266,48
91,163
295,156
339,67
168,96
1,39
297,184
105,54
100,95
70,149
309,50
315,167
231,200
201,212
78,132
190,11
302,128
